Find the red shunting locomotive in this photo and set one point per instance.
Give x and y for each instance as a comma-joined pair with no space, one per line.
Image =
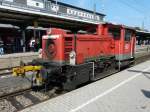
71,59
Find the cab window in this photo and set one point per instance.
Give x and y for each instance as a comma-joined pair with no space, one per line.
115,32
128,35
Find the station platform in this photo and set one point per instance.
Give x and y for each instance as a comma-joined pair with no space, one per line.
13,60
126,91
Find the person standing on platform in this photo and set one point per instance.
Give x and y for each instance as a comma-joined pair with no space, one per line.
37,45
1,47
32,44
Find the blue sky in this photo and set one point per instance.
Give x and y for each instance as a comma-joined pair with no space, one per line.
128,12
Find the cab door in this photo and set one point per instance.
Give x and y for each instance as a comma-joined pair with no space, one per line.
128,53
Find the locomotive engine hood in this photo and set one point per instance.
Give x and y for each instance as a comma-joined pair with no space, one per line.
52,45
49,46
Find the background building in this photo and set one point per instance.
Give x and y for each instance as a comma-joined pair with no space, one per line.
31,18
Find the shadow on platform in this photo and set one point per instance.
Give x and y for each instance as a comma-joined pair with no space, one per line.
138,71
146,93
144,73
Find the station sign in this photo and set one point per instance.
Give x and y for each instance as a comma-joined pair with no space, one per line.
76,13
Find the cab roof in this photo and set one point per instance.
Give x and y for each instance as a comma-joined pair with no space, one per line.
119,26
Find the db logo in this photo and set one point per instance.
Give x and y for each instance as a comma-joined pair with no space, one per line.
126,46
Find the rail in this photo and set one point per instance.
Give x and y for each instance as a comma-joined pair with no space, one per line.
28,97
145,48
15,93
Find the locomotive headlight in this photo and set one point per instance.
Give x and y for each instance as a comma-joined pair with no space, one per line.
72,57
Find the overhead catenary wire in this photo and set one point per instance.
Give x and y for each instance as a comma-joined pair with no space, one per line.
133,7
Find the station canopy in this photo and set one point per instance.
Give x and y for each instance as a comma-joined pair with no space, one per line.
47,13
142,34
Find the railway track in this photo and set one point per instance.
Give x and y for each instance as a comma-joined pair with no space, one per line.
25,98
6,71
142,58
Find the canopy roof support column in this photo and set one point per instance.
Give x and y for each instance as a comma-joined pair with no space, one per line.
23,44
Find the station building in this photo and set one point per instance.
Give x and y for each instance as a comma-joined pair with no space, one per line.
143,37
26,19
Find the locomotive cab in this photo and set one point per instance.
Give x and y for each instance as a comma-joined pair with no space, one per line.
124,43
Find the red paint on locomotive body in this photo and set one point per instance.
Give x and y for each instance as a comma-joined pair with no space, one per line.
123,40
53,45
108,40
92,46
